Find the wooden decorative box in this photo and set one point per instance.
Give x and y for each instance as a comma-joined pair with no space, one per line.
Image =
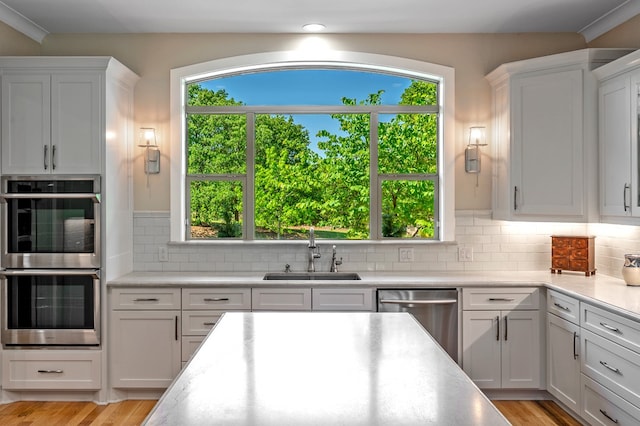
573,253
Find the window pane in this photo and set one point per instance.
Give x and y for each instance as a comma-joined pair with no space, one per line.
321,182
408,209
407,143
217,143
313,87
216,209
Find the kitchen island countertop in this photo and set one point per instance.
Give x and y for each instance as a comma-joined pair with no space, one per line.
310,368
606,291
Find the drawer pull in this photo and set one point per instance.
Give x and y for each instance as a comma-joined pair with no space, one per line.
604,413
610,328
216,299
51,371
500,299
210,323
559,306
615,370
146,299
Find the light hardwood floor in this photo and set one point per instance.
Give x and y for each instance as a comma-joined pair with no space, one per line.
538,413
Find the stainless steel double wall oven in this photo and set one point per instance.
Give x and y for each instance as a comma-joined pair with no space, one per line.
50,254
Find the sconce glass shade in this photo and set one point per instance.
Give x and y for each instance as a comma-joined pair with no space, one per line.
147,140
477,138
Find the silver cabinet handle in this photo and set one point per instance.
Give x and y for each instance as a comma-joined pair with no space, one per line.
575,337
498,328
210,323
46,162
51,371
506,328
419,302
559,306
500,299
604,413
515,198
53,157
216,299
624,197
146,299
610,328
615,370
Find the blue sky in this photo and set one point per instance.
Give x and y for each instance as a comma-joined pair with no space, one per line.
310,87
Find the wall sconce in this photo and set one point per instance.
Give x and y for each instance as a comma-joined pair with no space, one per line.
152,151
477,138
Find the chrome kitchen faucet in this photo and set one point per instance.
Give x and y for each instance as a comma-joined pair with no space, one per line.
314,251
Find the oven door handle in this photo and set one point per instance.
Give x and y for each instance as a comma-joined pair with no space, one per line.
50,196
42,272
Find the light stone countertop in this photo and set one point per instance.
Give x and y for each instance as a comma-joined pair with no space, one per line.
276,368
609,292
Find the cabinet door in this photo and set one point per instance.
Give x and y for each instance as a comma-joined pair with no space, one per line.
563,363
615,147
145,348
281,299
75,123
26,123
547,133
481,344
521,356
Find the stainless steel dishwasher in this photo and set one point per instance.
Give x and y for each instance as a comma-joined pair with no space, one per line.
436,309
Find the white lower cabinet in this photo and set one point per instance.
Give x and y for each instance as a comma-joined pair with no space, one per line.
343,299
502,348
201,310
603,407
563,361
51,370
146,338
281,299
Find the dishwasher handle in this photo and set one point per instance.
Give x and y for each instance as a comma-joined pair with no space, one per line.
419,302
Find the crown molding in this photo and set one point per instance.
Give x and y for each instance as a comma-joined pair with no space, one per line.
611,20
21,23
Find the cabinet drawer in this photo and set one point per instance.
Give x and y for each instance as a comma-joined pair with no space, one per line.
281,299
560,262
611,365
189,346
612,326
52,370
145,299
500,298
563,306
199,323
222,299
341,299
600,406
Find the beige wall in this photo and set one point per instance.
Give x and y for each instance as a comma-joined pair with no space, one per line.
152,56
13,43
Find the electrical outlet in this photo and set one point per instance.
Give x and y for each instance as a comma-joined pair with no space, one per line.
163,255
465,254
405,254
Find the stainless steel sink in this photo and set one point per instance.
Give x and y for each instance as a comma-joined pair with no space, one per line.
329,276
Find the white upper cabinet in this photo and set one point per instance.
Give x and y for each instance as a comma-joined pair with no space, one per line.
54,113
545,136
619,113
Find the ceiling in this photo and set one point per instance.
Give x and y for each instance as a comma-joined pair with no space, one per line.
37,18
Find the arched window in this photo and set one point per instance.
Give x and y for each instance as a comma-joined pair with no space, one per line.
268,150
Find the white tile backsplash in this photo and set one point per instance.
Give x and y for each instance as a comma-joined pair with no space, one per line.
497,246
